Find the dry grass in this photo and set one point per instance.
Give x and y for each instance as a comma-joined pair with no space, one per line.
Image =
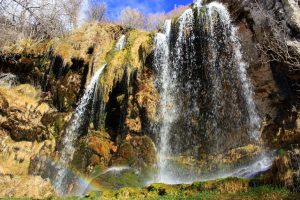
101,38
72,45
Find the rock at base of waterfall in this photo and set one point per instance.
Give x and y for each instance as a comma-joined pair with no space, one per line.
102,148
222,163
277,136
136,151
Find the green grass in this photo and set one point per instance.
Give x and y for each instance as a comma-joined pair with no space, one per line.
262,192
189,192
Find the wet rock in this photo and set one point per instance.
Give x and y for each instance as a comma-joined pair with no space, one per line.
294,45
275,83
55,122
285,171
66,91
101,150
147,95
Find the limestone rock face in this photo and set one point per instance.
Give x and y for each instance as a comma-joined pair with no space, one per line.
142,104
25,187
264,85
15,157
269,33
21,113
65,91
22,137
15,161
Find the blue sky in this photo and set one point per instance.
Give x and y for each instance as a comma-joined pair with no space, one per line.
146,6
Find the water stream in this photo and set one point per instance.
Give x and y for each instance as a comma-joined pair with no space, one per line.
121,43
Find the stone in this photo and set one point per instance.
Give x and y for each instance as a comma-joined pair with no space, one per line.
294,46
101,151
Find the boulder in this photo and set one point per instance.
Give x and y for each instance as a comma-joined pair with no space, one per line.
101,149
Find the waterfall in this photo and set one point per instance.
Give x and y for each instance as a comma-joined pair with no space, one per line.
168,109
121,43
254,119
206,103
72,132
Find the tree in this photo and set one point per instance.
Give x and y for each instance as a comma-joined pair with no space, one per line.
132,18
96,11
155,21
38,18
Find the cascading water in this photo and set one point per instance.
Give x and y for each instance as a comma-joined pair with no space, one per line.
121,43
254,119
168,110
206,97
72,132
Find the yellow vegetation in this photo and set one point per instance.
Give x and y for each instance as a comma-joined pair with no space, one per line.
229,185
128,60
94,43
